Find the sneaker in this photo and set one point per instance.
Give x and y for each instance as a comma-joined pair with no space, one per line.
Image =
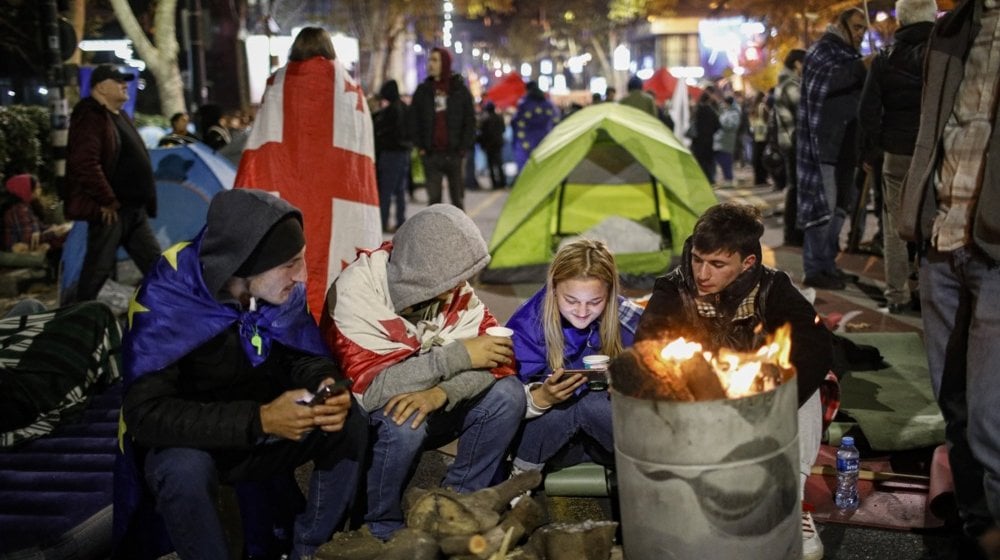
812,546
824,282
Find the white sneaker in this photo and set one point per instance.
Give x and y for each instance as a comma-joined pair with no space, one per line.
812,546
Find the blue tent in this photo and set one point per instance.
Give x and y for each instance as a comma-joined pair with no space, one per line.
187,177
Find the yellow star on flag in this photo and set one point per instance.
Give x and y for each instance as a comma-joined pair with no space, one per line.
171,253
135,307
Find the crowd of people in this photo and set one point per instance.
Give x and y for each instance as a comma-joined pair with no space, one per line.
403,358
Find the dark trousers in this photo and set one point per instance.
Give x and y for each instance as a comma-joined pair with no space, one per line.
185,482
437,166
130,231
494,160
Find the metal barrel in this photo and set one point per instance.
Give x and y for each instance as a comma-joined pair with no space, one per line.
709,480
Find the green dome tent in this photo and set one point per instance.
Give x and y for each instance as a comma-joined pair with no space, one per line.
605,160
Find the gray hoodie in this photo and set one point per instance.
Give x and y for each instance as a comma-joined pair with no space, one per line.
434,251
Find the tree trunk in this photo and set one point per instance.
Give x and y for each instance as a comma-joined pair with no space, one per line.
161,59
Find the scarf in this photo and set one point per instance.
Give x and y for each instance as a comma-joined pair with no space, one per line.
367,335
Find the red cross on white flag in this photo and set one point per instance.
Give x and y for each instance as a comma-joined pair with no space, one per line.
312,144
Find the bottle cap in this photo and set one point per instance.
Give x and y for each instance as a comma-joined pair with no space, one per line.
847,440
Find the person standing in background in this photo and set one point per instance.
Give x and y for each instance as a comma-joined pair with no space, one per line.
534,119
889,117
109,181
832,77
443,127
392,155
786,109
951,207
491,129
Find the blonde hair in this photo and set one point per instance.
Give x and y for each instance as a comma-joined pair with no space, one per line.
310,42
582,259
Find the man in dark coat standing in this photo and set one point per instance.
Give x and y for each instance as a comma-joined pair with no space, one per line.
109,181
443,122
889,117
832,77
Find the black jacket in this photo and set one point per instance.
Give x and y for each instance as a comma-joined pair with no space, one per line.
211,398
671,313
461,116
889,112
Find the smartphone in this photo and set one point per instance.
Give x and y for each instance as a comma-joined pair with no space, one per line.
597,379
330,390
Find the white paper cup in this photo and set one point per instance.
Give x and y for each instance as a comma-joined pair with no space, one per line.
596,361
500,331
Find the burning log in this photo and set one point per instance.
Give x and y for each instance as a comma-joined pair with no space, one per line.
679,370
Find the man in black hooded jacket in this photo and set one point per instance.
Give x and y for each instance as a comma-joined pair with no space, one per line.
220,358
443,124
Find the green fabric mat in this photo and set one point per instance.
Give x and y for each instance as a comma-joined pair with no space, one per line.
894,406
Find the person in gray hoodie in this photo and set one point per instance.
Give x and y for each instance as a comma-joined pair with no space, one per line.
407,327
220,359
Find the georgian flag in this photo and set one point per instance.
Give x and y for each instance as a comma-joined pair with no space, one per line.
313,145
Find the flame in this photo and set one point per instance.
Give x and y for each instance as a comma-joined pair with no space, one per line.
680,350
738,372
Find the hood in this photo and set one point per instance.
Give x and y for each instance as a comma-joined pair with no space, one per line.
445,64
914,33
389,91
433,251
237,221
21,186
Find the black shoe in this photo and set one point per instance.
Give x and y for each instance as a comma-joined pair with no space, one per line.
824,282
847,276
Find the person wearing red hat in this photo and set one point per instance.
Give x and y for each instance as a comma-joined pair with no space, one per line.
23,229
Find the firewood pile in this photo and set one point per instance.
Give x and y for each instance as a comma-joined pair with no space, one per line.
482,525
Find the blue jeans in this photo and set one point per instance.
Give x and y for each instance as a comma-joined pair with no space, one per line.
959,291
393,170
543,437
185,482
821,243
484,426
725,161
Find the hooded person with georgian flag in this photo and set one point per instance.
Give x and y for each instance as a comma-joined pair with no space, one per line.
313,145
410,331
219,360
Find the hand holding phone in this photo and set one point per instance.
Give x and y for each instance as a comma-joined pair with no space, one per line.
330,390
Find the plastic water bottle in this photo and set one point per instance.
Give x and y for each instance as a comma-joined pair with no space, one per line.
848,458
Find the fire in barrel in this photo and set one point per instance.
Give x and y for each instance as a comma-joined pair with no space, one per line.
706,448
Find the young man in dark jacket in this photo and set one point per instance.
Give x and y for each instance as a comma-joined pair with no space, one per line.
722,296
443,123
220,360
889,117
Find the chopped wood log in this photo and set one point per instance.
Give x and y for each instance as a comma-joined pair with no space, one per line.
352,545
461,545
590,540
444,512
526,516
411,544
